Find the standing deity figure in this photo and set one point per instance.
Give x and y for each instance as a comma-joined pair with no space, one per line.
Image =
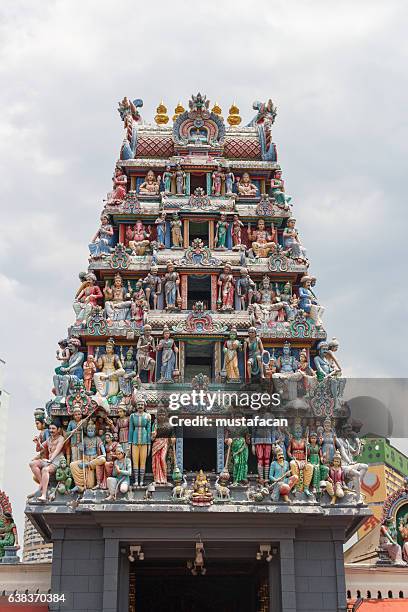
89,368
246,188
119,187
42,430
43,468
110,450
122,429
151,185
140,239
238,444
226,289
335,483
140,438
116,300
86,299
389,541
299,464
129,367
169,351
278,191
176,233
167,178
236,232
180,180
309,375
171,287
75,431
351,447
119,481
254,352
314,455
153,287
327,370
110,369
263,242
161,437
91,461
262,439
245,288
221,230
146,345
161,229
308,301
229,180
291,242
333,346
71,373
138,304
231,348
217,177
102,242
281,477
8,532
328,442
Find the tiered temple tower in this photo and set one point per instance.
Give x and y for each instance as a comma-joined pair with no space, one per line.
198,282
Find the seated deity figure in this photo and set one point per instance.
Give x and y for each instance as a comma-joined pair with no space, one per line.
389,541
119,481
138,304
116,300
180,180
176,232
262,241
327,371
245,288
288,375
151,185
140,239
146,345
152,284
291,243
246,187
254,351
272,310
231,348
278,191
171,287
309,375
119,187
8,532
169,350
221,230
299,464
308,301
41,467
88,471
71,373
110,369
351,447
102,243
226,285
335,483
86,299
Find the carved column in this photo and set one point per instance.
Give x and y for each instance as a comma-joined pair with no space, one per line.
188,185
211,233
214,290
181,360
217,361
208,176
184,291
186,232
122,233
220,449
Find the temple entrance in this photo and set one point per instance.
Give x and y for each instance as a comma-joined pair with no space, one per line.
200,449
226,587
199,290
199,360
198,180
198,229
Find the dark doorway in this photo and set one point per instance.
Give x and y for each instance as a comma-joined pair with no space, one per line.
198,229
200,449
198,180
199,290
199,360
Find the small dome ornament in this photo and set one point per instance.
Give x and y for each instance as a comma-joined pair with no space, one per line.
161,118
216,109
233,117
179,110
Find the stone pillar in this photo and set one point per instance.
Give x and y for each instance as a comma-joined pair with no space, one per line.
274,586
209,183
186,233
287,576
220,449
111,575
188,188
211,233
214,292
184,291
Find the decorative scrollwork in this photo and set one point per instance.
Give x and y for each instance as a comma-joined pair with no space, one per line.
96,324
119,260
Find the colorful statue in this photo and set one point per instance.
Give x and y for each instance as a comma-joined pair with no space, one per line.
146,345
239,450
171,287
335,483
221,230
282,478
291,243
116,300
176,233
271,309
138,304
161,437
110,369
231,348
262,439
308,301
8,532
129,366
328,442
254,351
89,368
86,299
91,462
119,481
299,464
102,242
169,352
278,191
229,181
122,429
63,476
167,178
217,178
236,231
263,242
226,284
351,447
74,434
389,541
153,287
201,494
110,450
42,468
325,367
139,239
320,471
403,529
246,187
71,373
140,438
151,185
119,187
161,230
180,181
245,288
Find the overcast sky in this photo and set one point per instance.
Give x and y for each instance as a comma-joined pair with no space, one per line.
337,72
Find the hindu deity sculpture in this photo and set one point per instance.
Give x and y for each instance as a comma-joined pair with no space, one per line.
171,287
119,481
221,230
254,350
110,451
145,346
71,373
63,476
102,243
263,242
110,369
291,243
403,529
263,437
74,435
282,478
169,351
116,300
153,287
332,347
271,308
88,470
140,439
151,185
176,233
389,541
129,367
86,299
201,495
119,187
138,304
335,483
246,188
139,239
351,447
309,375
245,288
89,368
45,463
299,464
180,180
42,429
162,437
167,178
229,180
8,532
278,191
320,471
161,229
122,429
231,348
288,375
308,301
238,447
226,285
236,232
328,442
217,178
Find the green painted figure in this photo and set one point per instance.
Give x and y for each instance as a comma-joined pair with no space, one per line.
221,232
320,471
8,532
63,476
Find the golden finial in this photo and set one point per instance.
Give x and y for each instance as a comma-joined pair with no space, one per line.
161,117
233,117
178,110
216,109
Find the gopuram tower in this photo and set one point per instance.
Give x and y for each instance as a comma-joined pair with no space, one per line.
196,453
